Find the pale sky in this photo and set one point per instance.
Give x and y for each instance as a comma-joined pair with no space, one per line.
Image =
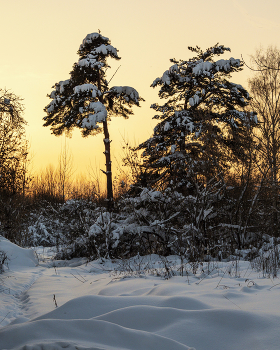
40,39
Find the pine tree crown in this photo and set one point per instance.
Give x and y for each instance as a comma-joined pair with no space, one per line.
203,120
85,100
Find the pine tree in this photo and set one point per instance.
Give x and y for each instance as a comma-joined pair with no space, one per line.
86,101
203,123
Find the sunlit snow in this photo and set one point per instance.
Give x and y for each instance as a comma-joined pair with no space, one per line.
86,87
131,305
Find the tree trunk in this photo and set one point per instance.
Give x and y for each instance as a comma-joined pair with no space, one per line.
107,153
108,164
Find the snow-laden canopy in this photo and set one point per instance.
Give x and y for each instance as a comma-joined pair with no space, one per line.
88,88
203,112
90,38
85,99
202,67
127,92
100,115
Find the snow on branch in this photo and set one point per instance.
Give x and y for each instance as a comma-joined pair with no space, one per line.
126,92
98,45
105,50
202,67
90,38
226,65
90,61
87,87
100,115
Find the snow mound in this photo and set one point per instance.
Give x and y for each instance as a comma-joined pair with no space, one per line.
17,256
84,334
91,306
96,307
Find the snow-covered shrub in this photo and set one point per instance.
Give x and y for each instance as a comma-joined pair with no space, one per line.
193,226
148,222
143,224
140,225
39,235
174,223
57,224
162,223
141,266
267,259
70,226
99,238
44,227
92,231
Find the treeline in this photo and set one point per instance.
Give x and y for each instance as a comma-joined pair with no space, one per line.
205,184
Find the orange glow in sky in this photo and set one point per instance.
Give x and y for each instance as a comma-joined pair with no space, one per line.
40,39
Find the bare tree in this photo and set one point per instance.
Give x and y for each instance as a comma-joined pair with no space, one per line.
45,184
13,164
13,144
65,171
265,90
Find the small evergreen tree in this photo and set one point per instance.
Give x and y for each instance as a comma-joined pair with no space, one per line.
86,101
203,124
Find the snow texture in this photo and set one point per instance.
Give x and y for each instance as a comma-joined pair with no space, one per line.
90,38
90,61
86,87
128,93
103,49
100,115
222,306
202,67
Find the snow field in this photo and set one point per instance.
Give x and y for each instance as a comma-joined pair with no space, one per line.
100,307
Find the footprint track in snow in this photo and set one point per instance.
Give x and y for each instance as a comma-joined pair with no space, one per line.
20,303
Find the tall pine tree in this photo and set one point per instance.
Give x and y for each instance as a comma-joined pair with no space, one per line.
85,100
203,123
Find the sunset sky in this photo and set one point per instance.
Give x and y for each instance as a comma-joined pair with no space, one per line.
40,39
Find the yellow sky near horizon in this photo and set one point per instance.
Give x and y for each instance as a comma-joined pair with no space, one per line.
40,39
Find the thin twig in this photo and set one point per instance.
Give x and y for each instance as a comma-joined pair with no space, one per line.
81,276
259,70
5,317
55,303
231,301
77,278
274,286
221,278
114,74
206,275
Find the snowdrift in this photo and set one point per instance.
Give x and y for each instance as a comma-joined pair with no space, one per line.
101,308
17,256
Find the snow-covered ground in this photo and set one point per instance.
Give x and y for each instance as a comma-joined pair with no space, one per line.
223,306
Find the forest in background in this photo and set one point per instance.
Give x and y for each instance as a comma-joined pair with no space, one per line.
204,186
